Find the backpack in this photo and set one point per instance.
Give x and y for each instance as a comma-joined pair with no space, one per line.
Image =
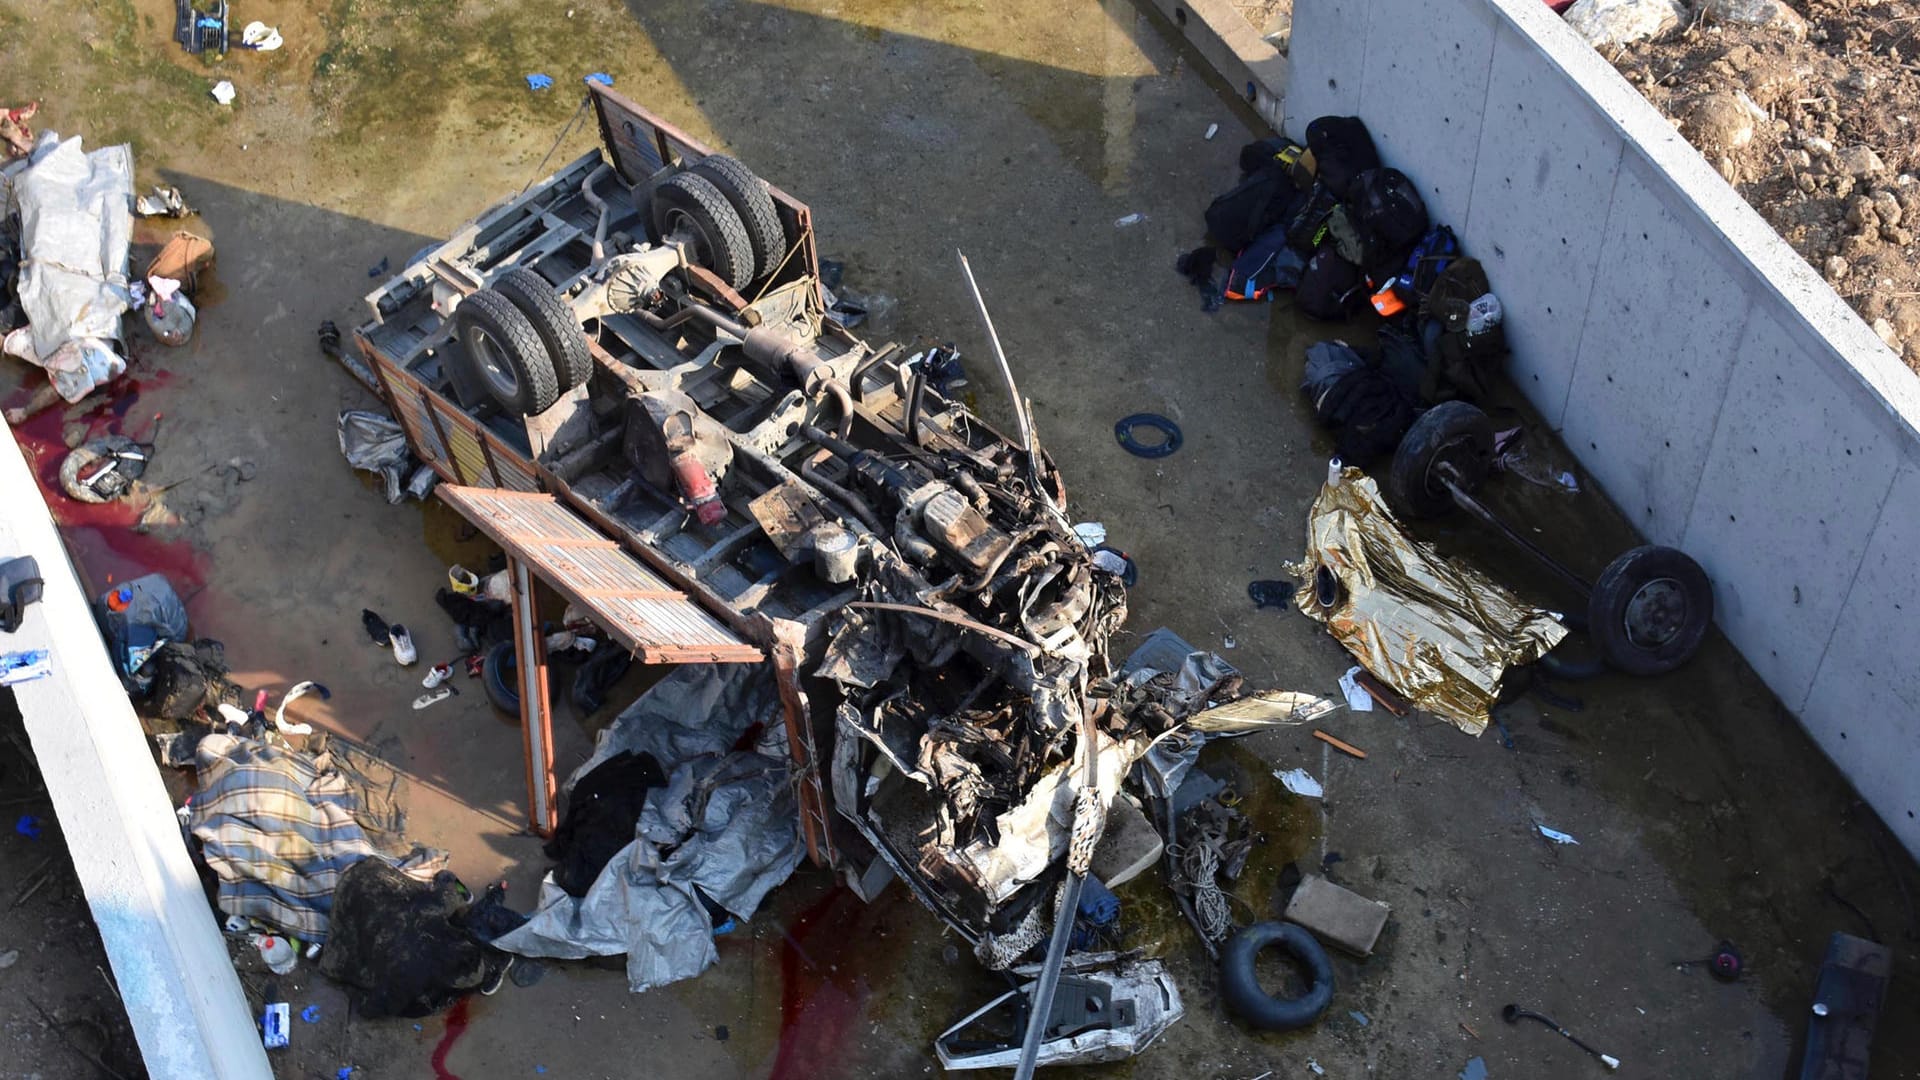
1390,215
1454,291
1342,149
1306,227
1404,291
1364,407
1260,201
1266,264
1280,154
1330,287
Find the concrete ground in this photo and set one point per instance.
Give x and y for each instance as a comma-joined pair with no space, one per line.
1021,134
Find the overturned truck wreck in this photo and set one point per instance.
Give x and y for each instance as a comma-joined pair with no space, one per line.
640,340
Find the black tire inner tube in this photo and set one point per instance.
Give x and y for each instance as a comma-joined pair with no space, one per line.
1252,1003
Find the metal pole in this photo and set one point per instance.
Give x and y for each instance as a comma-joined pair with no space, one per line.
1473,506
536,719
1006,372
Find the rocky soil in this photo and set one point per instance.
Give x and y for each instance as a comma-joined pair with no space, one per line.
1812,114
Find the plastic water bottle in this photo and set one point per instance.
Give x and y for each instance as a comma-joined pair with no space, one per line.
277,951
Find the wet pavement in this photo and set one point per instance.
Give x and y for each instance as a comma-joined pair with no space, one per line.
1021,136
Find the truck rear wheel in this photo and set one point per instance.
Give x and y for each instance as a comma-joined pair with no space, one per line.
553,320
506,353
750,199
687,206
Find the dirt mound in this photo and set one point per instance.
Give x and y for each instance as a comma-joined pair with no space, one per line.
1813,117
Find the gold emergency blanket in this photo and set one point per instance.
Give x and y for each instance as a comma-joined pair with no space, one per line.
1438,632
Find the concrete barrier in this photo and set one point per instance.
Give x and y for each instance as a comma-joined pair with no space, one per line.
1721,393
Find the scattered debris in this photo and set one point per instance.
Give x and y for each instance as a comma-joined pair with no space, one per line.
1357,698
408,944
726,827
1556,835
1129,220
1476,1068
1169,442
1360,1018
277,952
164,200
1513,1014
433,697
275,1024
1212,130
15,132
1272,593
198,31
260,37
104,469
1847,999
1344,747
1341,917
1105,1009
24,665
1241,988
376,443
1301,783
223,92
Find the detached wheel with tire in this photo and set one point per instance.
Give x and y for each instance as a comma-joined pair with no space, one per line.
1242,991
1650,610
687,206
501,676
750,199
506,352
553,319
1453,434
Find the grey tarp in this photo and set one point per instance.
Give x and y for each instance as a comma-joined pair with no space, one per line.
725,823
76,221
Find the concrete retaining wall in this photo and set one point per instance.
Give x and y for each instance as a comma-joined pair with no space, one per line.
1722,394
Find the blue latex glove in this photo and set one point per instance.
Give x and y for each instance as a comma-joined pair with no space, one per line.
537,81
600,77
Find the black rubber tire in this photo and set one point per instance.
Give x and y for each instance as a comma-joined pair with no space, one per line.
506,353
1450,431
1242,990
553,319
750,199
721,245
500,675
1650,610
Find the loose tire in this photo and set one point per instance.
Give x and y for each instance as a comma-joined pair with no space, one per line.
1253,1004
553,319
750,199
506,353
1452,432
687,204
499,673
1650,610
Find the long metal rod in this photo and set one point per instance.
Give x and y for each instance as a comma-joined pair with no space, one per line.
1006,372
1473,506
1040,1001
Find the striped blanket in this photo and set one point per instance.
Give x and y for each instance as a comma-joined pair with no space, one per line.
279,827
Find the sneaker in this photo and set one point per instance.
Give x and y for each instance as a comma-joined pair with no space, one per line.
492,985
376,627
436,675
403,649
432,697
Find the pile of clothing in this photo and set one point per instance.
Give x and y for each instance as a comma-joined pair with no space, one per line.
1330,223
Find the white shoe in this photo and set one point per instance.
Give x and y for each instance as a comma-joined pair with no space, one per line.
403,649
